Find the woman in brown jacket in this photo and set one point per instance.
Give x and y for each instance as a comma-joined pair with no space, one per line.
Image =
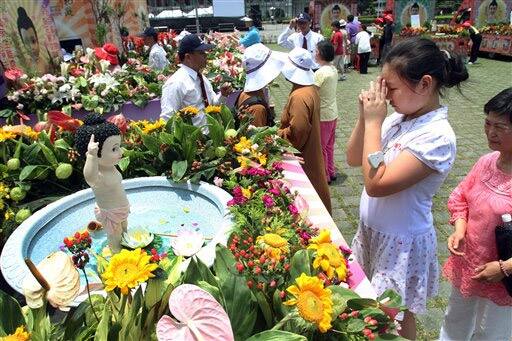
300,121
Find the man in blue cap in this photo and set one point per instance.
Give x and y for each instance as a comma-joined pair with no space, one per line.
157,55
188,86
304,38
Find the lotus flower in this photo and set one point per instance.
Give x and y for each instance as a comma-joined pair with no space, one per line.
199,315
62,278
187,243
137,238
120,121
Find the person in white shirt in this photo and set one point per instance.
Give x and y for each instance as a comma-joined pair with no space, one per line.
188,86
157,55
364,49
304,38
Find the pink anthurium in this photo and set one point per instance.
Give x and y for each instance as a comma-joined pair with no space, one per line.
199,317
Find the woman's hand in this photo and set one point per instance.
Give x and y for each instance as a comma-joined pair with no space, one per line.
490,272
374,101
92,147
455,243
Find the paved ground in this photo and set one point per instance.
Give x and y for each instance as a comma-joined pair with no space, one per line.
487,78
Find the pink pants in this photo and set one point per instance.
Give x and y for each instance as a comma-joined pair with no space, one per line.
327,136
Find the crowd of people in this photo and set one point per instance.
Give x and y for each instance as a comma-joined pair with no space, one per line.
404,158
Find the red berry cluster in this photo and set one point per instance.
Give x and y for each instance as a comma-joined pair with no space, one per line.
262,271
155,257
371,329
78,246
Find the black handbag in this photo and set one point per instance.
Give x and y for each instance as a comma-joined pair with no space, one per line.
504,246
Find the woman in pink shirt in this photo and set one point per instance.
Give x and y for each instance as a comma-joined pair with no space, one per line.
479,306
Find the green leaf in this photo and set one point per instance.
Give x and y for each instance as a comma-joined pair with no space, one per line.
172,268
154,291
7,113
12,317
355,325
61,144
227,118
166,138
102,330
33,172
301,263
151,143
215,131
276,335
45,139
179,168
395,301
265,308
224,262
385,337
124,163
213,290
31,154
361,303
49,155
339,299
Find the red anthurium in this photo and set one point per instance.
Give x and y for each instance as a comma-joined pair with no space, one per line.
120,121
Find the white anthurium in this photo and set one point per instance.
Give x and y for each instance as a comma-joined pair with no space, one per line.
64,68
58,270
137,238
106,79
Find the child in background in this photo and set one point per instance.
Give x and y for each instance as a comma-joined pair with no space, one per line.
326,82
363,49
405,158
479,305
337,41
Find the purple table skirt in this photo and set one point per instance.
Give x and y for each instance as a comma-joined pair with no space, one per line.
150,112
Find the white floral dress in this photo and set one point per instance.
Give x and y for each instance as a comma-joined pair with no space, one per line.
396,240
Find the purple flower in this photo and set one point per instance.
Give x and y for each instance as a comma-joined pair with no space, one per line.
275,191
267,200
293,209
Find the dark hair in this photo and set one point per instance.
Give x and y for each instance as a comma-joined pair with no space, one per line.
181,56
364,28
416,57
24,22
94,124
493,3
335,8
336,24
500,104
415,5
326,50
350,18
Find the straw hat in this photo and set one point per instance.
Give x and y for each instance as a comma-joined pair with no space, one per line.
261,65
297,67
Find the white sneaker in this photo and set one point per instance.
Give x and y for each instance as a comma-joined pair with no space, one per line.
470,63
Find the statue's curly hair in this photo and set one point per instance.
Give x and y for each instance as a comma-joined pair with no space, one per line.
94,124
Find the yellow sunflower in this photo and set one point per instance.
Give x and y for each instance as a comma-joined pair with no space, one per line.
189,111
244,146
328,256
22,130
150,127
6,135
246,192
19,335
313,301
127,269
262,158
212,109
273,244
243,161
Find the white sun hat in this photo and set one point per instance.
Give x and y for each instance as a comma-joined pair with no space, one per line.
297,67
261,65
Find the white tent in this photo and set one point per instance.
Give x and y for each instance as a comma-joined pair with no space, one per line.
175,13
202,12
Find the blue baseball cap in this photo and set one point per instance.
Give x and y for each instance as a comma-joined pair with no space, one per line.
303,17
191,43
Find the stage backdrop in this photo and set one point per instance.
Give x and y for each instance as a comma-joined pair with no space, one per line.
405,8
28,38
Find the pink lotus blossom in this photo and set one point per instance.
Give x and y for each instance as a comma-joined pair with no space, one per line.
198,317
218,181
187,243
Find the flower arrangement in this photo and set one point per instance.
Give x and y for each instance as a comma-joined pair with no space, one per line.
501,29
408,31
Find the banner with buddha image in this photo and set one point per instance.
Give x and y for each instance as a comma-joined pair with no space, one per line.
334,11
492,12
409,12
28,38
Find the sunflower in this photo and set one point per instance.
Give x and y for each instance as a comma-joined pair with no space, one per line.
262,158
328,257
19,335
6,135
313,301
244,146
127,269
243,161
246,192
212,109
150,127
273,244
189,111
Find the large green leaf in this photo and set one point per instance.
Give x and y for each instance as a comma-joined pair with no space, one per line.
124,163
215,131
224,262
151,143
154,291
276,335
31,154
166,138
355,325
361,303
33,172
265,308
12,317
301,263
391,298
340,297
179,168
227,118
49,156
